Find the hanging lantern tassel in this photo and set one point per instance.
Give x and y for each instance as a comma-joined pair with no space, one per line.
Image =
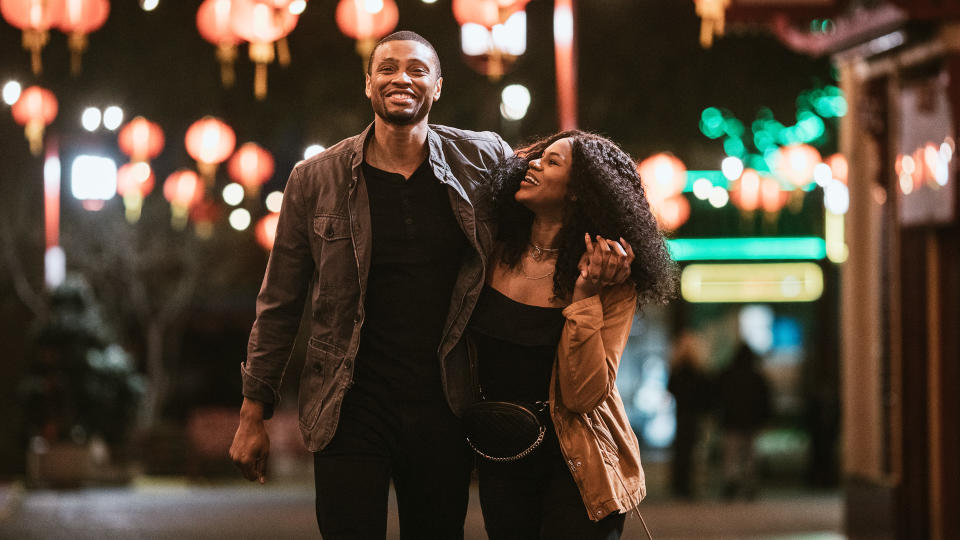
712,17
364,48
208,171
78,44
261,54
495,69
34,132
34,41
133,203
283,52
795,202
179,215
227,54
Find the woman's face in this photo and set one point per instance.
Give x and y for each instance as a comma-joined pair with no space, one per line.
544,189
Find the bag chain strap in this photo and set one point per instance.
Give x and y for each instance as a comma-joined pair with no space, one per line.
522,454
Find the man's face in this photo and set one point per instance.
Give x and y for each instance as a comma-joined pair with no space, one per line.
403,82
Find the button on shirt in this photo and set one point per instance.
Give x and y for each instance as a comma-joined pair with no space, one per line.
417,251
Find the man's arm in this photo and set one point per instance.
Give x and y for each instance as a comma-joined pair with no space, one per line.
279,309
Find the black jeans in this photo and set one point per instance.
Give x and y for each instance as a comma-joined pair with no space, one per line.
420,446
536,498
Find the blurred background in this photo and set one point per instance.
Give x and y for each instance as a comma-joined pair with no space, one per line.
798,155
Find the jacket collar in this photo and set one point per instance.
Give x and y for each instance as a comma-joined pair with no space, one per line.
434,145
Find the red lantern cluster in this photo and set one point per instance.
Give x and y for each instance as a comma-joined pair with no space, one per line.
210,141
487,13
251,166
356,21
262,23
664,177
141,139
266,230
35,18
183,189
35,110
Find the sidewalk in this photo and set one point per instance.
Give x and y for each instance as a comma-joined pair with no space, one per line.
174,509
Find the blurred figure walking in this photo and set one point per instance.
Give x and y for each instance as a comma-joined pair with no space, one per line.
744,407
691,392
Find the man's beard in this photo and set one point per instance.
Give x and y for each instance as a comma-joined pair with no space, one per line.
400,118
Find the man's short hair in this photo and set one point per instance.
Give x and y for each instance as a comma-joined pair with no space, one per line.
405,35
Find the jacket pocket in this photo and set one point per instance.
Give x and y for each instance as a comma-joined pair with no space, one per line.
604,439
317,370
336,263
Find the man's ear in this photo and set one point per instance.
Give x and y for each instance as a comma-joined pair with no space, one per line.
436,89
366,85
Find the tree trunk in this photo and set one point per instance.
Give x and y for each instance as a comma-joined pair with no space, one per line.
158,382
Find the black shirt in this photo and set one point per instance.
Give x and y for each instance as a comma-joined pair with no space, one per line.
417,251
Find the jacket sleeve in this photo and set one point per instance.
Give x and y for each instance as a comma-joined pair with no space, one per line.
281,298
590,347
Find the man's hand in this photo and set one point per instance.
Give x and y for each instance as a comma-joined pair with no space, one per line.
603,264
251,445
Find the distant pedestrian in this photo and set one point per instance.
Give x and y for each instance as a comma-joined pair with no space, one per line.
691,392
744,406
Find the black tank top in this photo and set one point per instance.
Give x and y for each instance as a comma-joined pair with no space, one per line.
516,346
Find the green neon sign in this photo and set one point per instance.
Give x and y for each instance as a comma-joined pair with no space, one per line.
747,249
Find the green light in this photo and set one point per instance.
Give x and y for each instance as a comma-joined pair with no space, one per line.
733,127
757,163
715,177
763,140
809,127
711,122
733,146
747,249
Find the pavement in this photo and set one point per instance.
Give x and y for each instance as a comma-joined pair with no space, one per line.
175,508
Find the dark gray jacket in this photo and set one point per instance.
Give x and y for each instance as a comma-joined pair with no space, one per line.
323,247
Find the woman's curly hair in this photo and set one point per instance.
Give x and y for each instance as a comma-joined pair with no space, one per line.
604,197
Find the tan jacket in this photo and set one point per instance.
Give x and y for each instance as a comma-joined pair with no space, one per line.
597,441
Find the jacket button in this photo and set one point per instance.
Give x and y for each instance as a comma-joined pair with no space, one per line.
318,368
348,363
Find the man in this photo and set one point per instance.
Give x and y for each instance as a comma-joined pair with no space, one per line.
388,232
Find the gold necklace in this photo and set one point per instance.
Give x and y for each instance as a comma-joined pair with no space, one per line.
528,276
539,251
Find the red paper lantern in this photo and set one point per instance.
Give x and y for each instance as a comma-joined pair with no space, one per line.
77,18
141,139
671,213
795,163
214,25
203,214
251,166
34,18
135,179
663,176
746,191
210,141
772,198
262,24
356,21
838,167
183,189
134,182
266,230
488,13
35,110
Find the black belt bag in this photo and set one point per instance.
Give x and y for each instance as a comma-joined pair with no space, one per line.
505,430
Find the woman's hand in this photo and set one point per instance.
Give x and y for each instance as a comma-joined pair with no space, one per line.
604,263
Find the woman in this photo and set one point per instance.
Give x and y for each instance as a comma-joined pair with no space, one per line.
551,325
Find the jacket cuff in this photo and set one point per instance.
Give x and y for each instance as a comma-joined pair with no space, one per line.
584,306
259,390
